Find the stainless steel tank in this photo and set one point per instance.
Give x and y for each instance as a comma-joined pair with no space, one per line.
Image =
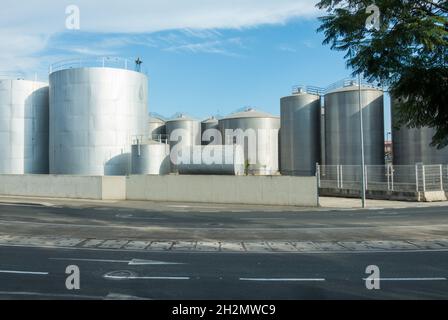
23,127
258,133
213,160
156,129
94,115
182,131
151,158
342,126
300,134
209,130
413,145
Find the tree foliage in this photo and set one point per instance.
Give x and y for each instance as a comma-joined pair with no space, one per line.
408,54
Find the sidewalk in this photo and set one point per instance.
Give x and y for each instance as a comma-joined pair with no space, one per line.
327,203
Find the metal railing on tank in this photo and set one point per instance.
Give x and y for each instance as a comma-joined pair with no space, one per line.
349,82
100,62
298,89
412,178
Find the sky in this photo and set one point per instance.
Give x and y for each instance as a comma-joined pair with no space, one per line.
203,57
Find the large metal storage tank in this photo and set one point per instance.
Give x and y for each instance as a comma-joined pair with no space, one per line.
23,127
209,130
342,126
258,133
413,145
300,133
94,115
151,158
156,129
182,131
213,160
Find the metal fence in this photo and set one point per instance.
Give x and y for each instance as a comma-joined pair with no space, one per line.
418,178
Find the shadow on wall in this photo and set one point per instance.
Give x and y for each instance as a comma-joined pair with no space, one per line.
36,132
118,166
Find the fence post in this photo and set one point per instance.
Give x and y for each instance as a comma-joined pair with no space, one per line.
424,178
392,176
342,176
366,176
416,178
318,174
337,177
441,177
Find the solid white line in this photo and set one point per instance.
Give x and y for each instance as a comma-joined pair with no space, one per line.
133,262
24,272
145,278
283,280
407,279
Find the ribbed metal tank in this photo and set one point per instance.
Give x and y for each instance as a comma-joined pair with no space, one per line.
182,131
342,126
213,160
209,129
156,128
300,134
94,115
23,127
258,133
413,145
151,158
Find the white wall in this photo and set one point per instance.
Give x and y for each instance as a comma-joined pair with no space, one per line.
263,190
72,187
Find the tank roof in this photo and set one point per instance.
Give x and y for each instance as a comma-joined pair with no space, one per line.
212,119
250,113
181,117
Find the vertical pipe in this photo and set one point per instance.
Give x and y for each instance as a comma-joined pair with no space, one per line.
441,178
416,178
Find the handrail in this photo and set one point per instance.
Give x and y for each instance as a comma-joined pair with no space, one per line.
98,62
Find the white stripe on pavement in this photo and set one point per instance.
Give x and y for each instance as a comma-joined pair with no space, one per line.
24,272
283,279
144,278
406,279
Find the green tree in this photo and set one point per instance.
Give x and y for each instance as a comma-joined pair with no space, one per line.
408,54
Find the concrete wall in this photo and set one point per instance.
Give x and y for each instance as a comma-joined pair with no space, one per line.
72,187
263,190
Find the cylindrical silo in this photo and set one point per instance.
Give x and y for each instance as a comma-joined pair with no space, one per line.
23,127
210,130
151,158
413,145
156,129
342,126
182,131
94,115
300,134
258,134
213,160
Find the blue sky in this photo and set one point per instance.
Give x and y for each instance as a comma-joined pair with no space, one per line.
203,57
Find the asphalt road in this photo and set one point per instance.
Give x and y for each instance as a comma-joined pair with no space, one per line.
32,273
402,244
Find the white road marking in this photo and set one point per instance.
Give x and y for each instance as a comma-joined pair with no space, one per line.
24,272
50,295
133,262
407,279
283,279
144,278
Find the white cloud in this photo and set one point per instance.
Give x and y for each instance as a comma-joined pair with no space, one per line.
27,25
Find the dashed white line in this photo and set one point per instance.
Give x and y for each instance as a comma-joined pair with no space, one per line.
24,272
283,279
407,279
